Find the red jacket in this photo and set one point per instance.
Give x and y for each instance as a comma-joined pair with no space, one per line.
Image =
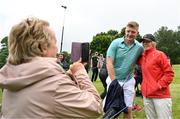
157,74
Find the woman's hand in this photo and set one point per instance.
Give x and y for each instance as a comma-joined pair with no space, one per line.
75,67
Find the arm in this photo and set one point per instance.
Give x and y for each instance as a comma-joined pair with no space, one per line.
110,68
139,60
77,100
91,63
111,54
65,65
168,73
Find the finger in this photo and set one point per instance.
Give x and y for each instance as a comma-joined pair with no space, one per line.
70,67
80,59
69,72
84,63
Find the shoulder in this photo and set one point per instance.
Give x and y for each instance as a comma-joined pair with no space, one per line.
117,42
160,53
94,57
46,63
45,60
139,45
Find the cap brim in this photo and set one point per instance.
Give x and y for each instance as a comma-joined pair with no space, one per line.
146,39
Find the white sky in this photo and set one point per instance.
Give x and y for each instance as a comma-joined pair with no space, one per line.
85,18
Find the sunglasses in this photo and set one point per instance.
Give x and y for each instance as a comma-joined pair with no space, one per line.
146,41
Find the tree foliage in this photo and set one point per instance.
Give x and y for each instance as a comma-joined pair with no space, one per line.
101,41
3,51
168,41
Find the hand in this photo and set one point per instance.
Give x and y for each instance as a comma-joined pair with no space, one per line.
58,61
76,67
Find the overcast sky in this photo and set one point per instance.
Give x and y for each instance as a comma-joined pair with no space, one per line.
85,18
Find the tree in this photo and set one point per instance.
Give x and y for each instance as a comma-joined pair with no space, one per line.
3,51
102,40
168,41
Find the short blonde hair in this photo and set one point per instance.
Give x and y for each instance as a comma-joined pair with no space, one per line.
133,24
28,39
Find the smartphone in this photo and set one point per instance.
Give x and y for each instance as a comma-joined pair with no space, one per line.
80,50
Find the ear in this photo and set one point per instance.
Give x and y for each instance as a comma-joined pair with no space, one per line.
45,51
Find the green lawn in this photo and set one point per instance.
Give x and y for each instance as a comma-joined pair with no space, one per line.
175,91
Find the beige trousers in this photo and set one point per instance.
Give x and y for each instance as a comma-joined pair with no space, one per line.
158,108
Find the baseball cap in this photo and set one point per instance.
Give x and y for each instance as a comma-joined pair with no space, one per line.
148,37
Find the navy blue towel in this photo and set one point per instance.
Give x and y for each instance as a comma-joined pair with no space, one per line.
115,98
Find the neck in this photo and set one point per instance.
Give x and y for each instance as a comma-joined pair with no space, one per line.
148,48
129,42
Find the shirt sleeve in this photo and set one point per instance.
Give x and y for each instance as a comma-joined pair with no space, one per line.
111,52
79,99
139,61
168,72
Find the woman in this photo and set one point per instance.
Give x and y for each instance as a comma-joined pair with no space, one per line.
35,86
62,61
157,76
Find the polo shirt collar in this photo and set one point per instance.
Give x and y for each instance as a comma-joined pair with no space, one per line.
135,41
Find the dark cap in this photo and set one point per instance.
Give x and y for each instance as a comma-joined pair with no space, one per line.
133,24
148,37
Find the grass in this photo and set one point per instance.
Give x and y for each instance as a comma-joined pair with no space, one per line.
175,86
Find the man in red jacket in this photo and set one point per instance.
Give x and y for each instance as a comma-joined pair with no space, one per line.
157,76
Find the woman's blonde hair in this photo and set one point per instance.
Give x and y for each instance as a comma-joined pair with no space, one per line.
153,44
28,39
